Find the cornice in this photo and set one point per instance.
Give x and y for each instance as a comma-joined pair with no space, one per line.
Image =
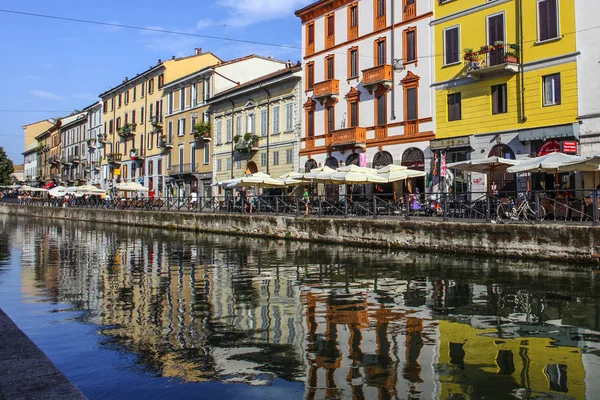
320,8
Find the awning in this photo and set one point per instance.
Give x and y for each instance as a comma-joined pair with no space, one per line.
49,185
450,143
550,132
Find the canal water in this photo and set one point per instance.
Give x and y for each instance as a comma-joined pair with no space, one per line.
133,313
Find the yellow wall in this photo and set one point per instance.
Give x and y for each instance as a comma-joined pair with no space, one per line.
33,130
476,95
480,362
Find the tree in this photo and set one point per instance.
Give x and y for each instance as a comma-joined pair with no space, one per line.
6,169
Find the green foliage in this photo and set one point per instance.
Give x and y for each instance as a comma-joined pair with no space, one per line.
6,168
202,129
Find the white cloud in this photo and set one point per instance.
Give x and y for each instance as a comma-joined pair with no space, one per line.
206,23
42,94
249,12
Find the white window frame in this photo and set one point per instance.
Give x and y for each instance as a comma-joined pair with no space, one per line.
206,153
276,158
487,26
194,94
229,166
289,156
238,126
229,131
264,123
181,127
537,20
276,119
219,165
289,117
182,99
219,132
263,159
458,47
250,123
553,103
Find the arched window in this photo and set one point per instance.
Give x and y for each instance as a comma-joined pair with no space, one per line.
353,159
414,158
381,159
310,165
332,162
502,150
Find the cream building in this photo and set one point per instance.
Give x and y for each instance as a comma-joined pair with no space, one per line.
256,125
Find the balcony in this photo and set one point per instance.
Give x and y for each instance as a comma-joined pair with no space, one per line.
489,60
348,137
246,144
65,161
91,144
409,11
126,130
135,155
165,143
102,138
326,89
114,158
96,165
380,75
74,159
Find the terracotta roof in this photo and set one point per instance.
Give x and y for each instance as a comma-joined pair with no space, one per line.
288,70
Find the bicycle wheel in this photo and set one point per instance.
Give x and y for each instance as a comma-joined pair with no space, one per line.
529,213
504,213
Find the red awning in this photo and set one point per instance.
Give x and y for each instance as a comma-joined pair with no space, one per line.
49,185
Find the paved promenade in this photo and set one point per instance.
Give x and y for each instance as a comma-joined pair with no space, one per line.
27,373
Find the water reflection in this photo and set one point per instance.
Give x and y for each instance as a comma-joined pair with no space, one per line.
348,323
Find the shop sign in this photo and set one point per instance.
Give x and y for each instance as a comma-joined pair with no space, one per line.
450,143
362,159
569,147
443,165
550,146
117,171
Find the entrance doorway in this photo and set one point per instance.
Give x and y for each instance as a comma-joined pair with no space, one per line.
414,158
251,168
502,182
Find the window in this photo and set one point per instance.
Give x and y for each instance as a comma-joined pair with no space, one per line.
238,126
161,80
310,75
105,107
170,103
250,123
275,158
454,107
289,156
194,94
289,117
143,90
219,165
411,104
263,122
193,123
206,153
151,86
142,115
170,132
133,117
551,90
330,30
499,105
381,109
181,127
547,19
193,157
276,123
127,97
118,123
353,16
207,89
353,114
310,124
134,94
310,34
219,131
329,67
330,119
228,164
151,112
182,99
380,51
410,45
380,4
495,26
238,162
181,159
126,118
229,133
451,46
353,62
119,100
263,159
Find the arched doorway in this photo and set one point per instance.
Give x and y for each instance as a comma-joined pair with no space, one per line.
414,158
380,160
251,168
310,165
332,192
500,181
353,159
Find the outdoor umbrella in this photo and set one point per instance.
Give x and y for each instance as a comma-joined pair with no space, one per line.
589,164
58,191
259,180
485,165
550,163
393,173
357,176
132,187
292,179
89,189
32,189
228,182
320,175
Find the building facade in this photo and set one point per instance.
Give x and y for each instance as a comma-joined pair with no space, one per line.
506,84
48,155
133,117
73,149
31,131
256,125
367,80
30,166
94,149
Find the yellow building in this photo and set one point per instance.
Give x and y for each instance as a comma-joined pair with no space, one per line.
257,125
538,366
48,154
505,80
34,129
133,117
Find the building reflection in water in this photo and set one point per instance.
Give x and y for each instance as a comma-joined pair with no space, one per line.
348,324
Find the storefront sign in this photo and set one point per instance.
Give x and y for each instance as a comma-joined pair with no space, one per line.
569,147
443,165
362,159
117,171
450,143
550,146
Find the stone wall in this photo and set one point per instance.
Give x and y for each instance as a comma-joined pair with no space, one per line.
543,242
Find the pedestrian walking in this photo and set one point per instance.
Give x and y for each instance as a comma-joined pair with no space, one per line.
306,201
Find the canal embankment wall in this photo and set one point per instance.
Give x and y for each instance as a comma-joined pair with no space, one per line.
541,242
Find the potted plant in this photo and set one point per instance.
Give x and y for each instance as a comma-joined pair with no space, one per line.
468,53
201,129
484,49
511,57
126,129
498,44
247,143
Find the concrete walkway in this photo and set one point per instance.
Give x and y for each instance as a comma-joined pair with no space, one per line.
26,372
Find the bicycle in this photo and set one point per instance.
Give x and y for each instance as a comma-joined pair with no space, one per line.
513,211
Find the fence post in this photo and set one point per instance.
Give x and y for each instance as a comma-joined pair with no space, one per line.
407,204
374,207
320,206
345,207
297,210
259,203
445,203
595,207
276,205
537,207
488,211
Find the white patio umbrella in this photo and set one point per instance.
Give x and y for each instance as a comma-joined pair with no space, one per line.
89,189
58,191
589,164
485,165
132,187
260,180
320,175
32,189
357,176
549,163
292,179
227,182
394,173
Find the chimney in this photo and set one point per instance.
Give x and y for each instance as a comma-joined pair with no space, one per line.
159,61
172,57
198,50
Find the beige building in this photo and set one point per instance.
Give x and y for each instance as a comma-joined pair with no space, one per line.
32,130
256,126
133,122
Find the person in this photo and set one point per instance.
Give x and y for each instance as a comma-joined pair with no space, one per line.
107,200
306,200
243,198
194,200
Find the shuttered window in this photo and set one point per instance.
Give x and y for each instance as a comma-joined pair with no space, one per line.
451,46
454,107
382,109
547,19
496,29
499,101
411,104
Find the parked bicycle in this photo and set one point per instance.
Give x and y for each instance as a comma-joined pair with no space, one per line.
522,208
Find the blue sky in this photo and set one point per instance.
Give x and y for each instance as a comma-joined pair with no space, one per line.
60,66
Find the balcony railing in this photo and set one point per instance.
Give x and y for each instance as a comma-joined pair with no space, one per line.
114,158
410,11
381,74
347,137
65,160
492,59
328,88
126,130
